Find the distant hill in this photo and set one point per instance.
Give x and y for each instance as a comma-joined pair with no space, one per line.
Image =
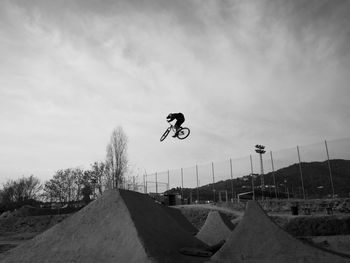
315,176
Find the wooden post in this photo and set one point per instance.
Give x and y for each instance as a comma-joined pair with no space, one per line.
329,168
231,179
156,183
273,174
251,168
182,184
301,173
168,181
212,170
197,183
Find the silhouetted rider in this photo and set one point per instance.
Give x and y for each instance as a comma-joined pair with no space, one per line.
180,119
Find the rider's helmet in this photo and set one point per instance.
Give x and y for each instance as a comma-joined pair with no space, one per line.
169,117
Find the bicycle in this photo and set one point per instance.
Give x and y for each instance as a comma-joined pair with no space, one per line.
182,133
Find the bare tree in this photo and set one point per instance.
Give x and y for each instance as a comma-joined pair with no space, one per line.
22,189
79,181
66,185
98,173
116,159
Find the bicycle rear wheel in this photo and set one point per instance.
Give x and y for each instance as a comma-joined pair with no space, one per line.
165,134
183,133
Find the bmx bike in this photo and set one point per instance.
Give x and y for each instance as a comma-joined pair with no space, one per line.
182,133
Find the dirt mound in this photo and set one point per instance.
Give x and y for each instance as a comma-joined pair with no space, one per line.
340,243
161,235
197,214
216,228
180,219
35,224
258,239
5,215
120,226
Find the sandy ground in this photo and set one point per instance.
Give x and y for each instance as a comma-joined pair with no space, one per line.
217,228
17,228
120,226
339,243
198,213
258,239
317,222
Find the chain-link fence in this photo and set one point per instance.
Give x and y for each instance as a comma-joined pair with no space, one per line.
310,171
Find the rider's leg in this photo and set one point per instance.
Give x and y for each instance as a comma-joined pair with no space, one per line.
179,122
177,126
175,129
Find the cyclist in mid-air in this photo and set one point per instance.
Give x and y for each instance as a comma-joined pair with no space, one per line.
180,119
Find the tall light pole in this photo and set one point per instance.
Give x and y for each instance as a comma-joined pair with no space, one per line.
260,150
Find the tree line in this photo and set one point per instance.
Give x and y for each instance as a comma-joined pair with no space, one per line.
74,184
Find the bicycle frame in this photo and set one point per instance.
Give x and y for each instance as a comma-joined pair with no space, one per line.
172,128
180,135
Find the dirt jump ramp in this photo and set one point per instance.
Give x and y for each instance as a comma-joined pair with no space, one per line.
120,226
180,219
258,239
217,227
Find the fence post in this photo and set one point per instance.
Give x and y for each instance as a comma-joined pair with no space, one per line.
301,173
251,168
182,184
197,183
329,167
168,181
231,179
156,183
144,184
262,181
212,170
273,174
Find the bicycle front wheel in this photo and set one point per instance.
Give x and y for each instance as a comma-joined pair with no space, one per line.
165,134
183,133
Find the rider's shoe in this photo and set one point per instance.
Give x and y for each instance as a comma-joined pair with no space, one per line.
175,135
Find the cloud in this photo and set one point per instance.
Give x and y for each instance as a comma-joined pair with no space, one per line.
242,72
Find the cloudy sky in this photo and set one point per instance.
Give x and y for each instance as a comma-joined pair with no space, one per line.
242,72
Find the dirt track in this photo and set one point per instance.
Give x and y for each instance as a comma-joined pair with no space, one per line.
16,229
258,239
120,226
